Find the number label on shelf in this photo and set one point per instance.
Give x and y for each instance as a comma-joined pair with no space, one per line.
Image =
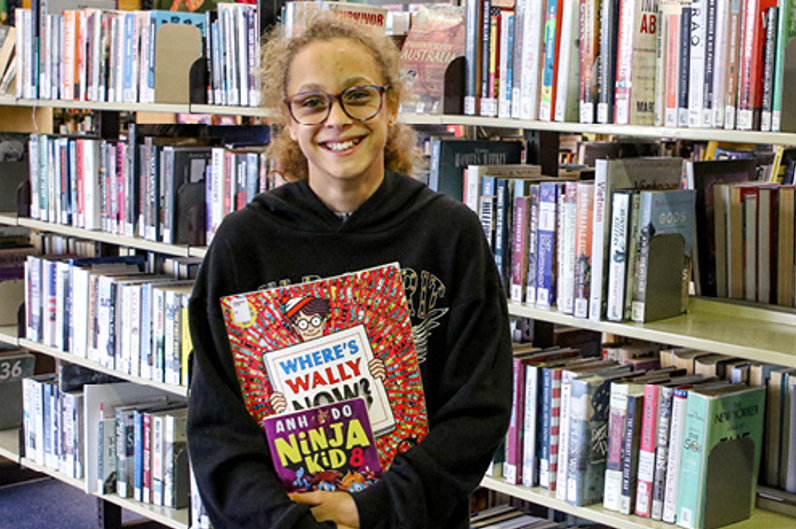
16,368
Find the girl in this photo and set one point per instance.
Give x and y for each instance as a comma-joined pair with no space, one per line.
352,206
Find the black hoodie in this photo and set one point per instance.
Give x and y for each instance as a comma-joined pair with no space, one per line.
460,323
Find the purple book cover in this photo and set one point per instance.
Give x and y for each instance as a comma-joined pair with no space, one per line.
327,448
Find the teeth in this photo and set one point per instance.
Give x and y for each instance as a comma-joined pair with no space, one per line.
341,146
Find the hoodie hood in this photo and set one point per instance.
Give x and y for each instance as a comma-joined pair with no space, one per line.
296,205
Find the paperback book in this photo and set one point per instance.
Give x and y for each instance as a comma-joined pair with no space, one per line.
326,448
312,344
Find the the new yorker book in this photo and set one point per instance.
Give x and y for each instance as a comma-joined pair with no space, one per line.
307,345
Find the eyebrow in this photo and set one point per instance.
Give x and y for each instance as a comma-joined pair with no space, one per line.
351,81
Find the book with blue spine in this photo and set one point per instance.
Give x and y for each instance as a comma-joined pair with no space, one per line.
546,245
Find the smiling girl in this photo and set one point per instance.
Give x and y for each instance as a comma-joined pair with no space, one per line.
349,207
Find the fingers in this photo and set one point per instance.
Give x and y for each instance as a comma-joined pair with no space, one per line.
278,402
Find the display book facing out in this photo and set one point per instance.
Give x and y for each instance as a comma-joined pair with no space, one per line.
323,363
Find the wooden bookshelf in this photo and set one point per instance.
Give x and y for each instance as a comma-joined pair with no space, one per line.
182,391
737,136
765,335
760,518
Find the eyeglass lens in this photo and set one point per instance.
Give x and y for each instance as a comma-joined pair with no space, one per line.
359,102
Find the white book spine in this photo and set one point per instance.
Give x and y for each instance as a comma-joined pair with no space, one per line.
562,472
599,236
532,59
529,460
696,76
618,257
569,62
675,456
720,55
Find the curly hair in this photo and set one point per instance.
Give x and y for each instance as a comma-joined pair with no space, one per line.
401,153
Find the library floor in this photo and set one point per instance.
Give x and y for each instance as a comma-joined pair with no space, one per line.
33,501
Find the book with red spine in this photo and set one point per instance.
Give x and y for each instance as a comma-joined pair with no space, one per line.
753,39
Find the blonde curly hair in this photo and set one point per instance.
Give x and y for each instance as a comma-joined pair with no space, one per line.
401,153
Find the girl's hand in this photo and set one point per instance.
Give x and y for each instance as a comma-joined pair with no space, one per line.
278,402
377,369
338,507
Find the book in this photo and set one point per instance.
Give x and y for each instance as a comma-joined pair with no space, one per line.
710,268
330,447
723,438
666,221
655,173
435,39
312,344
449,158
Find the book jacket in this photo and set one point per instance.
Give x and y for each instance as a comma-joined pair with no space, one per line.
311,344
326,448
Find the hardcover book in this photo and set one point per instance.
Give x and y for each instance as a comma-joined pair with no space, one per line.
311,344
723,440
435,40
326,448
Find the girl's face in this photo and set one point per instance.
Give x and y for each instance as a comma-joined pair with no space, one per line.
341,152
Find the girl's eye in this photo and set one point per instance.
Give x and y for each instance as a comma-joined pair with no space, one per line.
313,102
358,96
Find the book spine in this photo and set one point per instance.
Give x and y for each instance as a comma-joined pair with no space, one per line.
661,452
512,469
609,33
506,47
692,463
552,41
567,89
146,476
672,29
530,462
533,58
646,458
544,445
473,47
630,453
696,75
518,57
620,212
566,298
769,56
612,493
710,63
589,56
632,253
502,210
519,258
683,85
785,32
533,233
563,468
624,61
642,273
555,428
600,226
750,94
583,248
546,245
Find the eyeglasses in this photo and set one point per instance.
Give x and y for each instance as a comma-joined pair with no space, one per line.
359,103
315,321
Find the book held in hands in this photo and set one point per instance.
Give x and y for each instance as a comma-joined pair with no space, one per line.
326,448
303,346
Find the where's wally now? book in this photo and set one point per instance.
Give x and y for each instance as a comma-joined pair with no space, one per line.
302,346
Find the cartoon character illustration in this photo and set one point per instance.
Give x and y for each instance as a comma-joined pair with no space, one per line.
308,316
328,480
355,482
301,482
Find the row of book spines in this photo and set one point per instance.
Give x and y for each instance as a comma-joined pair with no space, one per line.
630,67
141,451
135,324
631,485
104,185
755,242
99,55
541,234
